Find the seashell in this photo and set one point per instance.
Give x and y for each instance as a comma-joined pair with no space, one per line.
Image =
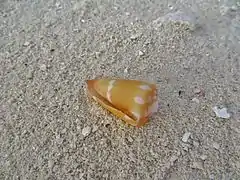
131,100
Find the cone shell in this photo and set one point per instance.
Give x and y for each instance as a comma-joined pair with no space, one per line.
131,100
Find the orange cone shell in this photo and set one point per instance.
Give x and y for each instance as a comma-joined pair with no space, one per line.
131,100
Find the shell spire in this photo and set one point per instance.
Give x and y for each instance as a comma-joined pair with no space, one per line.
131,100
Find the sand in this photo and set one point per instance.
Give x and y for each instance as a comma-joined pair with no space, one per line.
50,129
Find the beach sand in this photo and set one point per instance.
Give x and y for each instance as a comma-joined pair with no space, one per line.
50,129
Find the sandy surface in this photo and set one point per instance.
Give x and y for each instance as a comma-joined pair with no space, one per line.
49,129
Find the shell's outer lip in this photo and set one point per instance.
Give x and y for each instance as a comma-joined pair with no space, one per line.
119,113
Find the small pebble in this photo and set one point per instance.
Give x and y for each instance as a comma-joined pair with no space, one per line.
135,36
235,89
170,7
97,54
165,143
76,30
30,75
196,100
26,44
57,4
64,130
211,177
195,143
95,128
50,163
130,139
76,107
197,165
216,145
126,70
221,113
140,53
79,127
173,159
186,147
43,67
203,157
186,137
237,164
86,131
197,91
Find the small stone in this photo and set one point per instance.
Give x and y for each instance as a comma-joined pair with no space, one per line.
165,143
196,120
59,140
62,66
52,50
186,137
86,131
129,139
216,146
76,107
127,13
26,44
196,100
170,7
43,67
106,176
186,147
140,53
126,70
203,157
79,127
57,4
173,159
237,164
197,165
64,130
95,128
41,97
135,36
195,143
30,75
50,163
211,177
235,89
97,54
221,113
76,30
197,91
